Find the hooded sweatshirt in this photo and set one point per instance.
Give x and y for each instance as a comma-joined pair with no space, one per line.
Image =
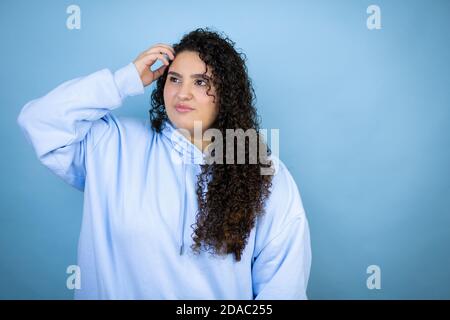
140,202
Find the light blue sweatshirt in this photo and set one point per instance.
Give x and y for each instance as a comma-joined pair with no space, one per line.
140,202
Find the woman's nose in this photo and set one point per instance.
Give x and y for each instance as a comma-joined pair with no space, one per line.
185,92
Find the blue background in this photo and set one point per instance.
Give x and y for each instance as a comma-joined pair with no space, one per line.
364,118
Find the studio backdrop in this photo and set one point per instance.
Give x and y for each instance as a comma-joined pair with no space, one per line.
359,91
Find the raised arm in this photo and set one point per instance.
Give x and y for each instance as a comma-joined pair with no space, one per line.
70,120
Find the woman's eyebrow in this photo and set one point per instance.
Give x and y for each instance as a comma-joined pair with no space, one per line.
193,76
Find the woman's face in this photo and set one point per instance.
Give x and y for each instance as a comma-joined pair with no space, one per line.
185,92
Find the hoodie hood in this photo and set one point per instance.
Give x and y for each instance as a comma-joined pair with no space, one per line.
189,152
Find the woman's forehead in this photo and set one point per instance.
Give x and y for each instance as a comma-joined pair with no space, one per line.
188,63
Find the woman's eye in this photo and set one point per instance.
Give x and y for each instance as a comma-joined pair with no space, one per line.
173,79
200,83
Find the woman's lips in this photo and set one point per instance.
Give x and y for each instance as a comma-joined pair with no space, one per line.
183,108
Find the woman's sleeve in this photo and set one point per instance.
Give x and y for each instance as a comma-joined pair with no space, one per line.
282,258
281,270
69,121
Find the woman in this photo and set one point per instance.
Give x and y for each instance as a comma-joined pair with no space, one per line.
161,220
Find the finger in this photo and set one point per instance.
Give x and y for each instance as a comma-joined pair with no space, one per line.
159,47
169,53
162,50
152,57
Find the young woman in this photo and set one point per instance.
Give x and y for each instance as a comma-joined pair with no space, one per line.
160,220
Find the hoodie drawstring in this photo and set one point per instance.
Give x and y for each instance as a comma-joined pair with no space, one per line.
183,212
189,154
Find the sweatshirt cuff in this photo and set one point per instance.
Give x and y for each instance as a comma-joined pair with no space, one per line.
128,81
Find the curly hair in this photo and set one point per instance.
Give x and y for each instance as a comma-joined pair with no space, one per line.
235,193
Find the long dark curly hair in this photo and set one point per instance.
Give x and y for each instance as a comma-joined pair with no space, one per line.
235,193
